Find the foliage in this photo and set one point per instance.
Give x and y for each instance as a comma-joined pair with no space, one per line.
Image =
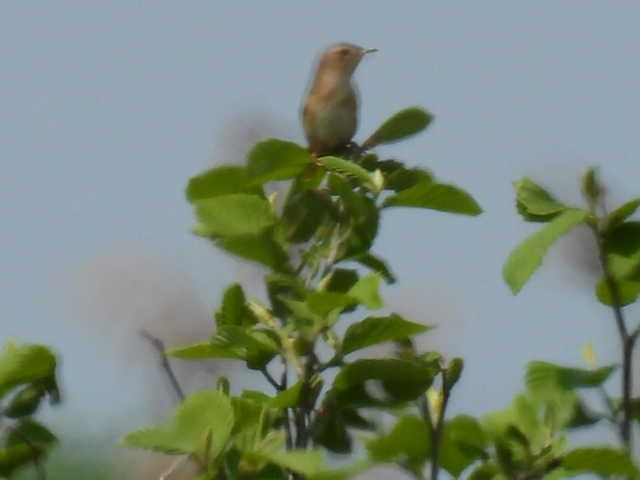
326,395
27,377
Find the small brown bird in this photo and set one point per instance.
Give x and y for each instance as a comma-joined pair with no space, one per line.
330,114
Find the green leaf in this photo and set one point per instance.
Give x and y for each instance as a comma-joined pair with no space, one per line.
24,363
233,215
324,303
348,168
261,248
453,372
275,159
305,462
26,401
628,292
289,397
14,457
403,124
527,257
234,309
375,330
463,442
202,350
366,291
37,433
624,240
203,414
621,213
600,460
591,189
542,376
256,346
339,280
304,213
534,202
409,442
398,380
376,264
223,180
435,196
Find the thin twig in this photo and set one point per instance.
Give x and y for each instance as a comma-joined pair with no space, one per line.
625,339
271,380
35,450
173,467
437,432
284,380
164,362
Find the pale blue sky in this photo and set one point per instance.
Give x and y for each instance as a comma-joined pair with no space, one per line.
109,107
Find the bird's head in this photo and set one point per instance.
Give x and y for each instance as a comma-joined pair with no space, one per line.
343,57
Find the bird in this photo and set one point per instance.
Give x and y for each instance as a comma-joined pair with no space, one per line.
330,112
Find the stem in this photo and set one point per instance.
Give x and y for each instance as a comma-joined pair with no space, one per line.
627,341
436,435
164,363
284,379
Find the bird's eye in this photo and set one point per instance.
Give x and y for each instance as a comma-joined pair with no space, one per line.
344,52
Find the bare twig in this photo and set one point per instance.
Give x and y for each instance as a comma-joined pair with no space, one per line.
164,362
173,467
271,380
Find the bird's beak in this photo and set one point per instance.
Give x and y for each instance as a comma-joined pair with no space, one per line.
368,50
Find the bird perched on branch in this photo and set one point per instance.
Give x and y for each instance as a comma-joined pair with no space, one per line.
330,114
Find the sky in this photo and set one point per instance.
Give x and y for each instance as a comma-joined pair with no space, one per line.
107,108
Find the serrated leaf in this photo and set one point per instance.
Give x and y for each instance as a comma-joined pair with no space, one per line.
348,168
25,363
223,180
409,441
275,159
206,413
234,309
403,124
233,215
534,202
375,330
527,257
435,196
366,291
601,460
621,213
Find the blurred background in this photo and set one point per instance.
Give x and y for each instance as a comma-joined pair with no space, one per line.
107,108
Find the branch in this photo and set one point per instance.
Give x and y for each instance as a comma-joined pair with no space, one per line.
164,362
